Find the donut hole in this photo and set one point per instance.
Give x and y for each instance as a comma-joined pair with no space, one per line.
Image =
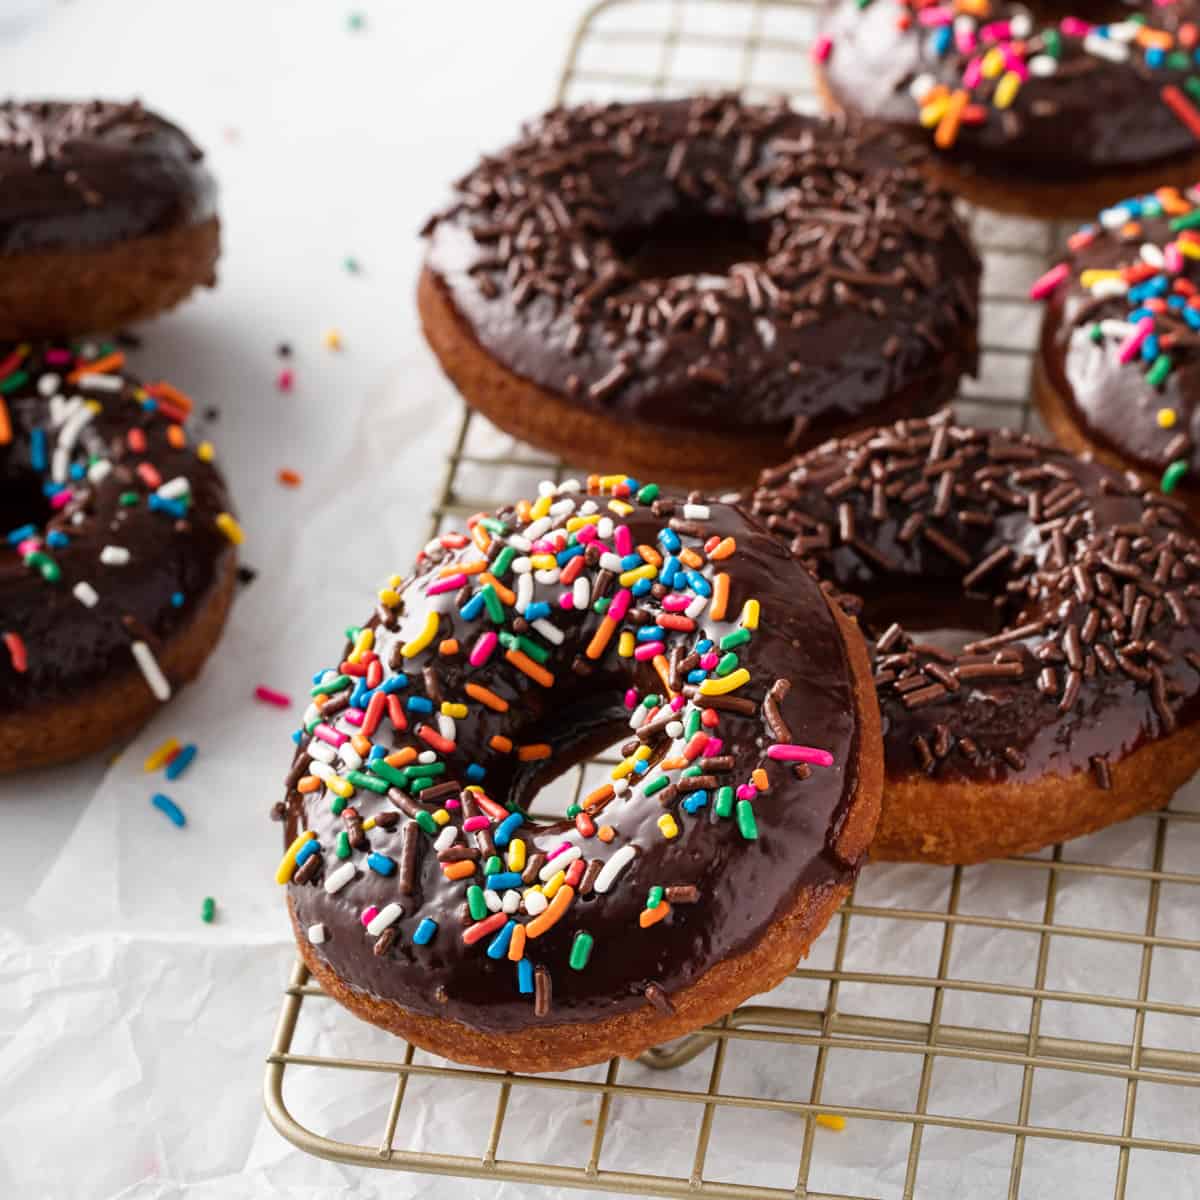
689,243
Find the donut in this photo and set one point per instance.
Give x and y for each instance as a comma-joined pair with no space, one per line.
107,216
117,550
1033,622
688,288
428,900
1036,112
1117,371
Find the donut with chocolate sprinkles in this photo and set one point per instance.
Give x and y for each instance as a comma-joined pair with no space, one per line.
697,288
107,216
1033,619
696,872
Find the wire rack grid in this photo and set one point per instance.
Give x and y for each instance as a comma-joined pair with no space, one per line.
1015,1000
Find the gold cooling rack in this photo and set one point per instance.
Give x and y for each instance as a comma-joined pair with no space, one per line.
904,1011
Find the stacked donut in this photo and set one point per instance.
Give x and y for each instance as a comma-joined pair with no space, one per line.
117,559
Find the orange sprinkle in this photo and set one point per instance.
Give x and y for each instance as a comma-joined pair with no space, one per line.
523,507
1154,39
507,595
289,478
723,549
758,777
471,568
548,917
947,130
459,870
690,558
650,555
652,916
5,424
487,698
168,391
664,672
673,764
516,948
527,666
176,436
361,744
720,600
500,743
99,366
606,833
401,757
309,783
601,638
480,537
1172,202
447,647
533,753
136,440
599,796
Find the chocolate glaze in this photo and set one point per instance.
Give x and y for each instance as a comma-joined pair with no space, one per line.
742,885
72,647
1115,403
81,174
1090,118
863,281
994,532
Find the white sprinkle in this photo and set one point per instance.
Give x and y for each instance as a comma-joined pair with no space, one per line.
350,756
1115,217
114,556
1020,25
535,902
517,542
445,839
581,592
388,915
1123,31
65,444
321,751
48,384
570,486
588,507
535,529
426,757
99,471
1106,288
86,594
174,489
1111,327
550,632
511,901
613,868
562,507
446,727
675,729
547,576
1042,65
1103,47
1152,254
919,86
637,718
964,24
547,487
620,786
336,880
696,512
492,900
611,562
101,383
145,659
696,607
559,862
322,770
522,565
524,592
604,528
311,713
316,933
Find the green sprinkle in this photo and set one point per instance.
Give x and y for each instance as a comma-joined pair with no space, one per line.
655,785
476,903
1160,370
129,499
694,769
600,607
337,804
1096,333
426,822
425,770
654,899
208,910
342,846
647,493
362,780
724,804
747,825
45,564
333,685
1187,221
539,654
356,22
727,664
492,865
1052,43
503,562
692,725
393,775
1178,61
651,701
731,641
1172,476
573,810
494,526
581,950
11,382
352,632
495,610
352,265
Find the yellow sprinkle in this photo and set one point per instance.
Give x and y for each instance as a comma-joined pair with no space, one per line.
156,758
441,817
575,523
389,598
394,581
730,683
287,865
622,769
831,1121
543,562
933,112
332,339
1006,89
516,855
1189,249
1094,275
230,528
630,577
667,824
205,452
457,711
626,644
335,783
427,634
362,643
541,506
1166,418
368,824
993,63
551,886
620,507
611,481
750,614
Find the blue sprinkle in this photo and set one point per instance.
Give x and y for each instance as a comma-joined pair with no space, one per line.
169,808
641,587
1155,57
565,556
670,539
177,599
540,609
397,683
1176,302
318,677
630,561
311,847
695,801
361,694
181,761
498,947
381,864
37,449
149,404
473,607
502,881
57,539
425,931
649,633
377,752
670,569
78,471
172,508
506,829
419,704
939,41
697,676
296,737
475,772
1150,348
525,977
704,645
1191,318
632,484
21,533
641,766
698,583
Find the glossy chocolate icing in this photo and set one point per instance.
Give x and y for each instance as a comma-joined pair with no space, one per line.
73,647
742,884
80,174
1091,117
1085,591
1115,403
858,280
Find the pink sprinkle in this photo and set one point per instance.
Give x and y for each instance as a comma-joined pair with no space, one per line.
354,716
543,546
822,48
648,650
271,696
623,539
471,824
710,660
452,802
586,534
940,15
1172,259
746,791
57,357
783,752
327,733
676,602
620,605
482,650
28,546
369,914
676,703
1074,27
1048,282
1015,65
1133,343
450,584
996,31
60,499
561,848
285,379
966,42
712,747
973,73
631,698
567,601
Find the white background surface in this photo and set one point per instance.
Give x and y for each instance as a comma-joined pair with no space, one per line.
132,1036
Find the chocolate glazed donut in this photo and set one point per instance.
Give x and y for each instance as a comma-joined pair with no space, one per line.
1034,628
1034,112
692,287
107,216
116,560
426,898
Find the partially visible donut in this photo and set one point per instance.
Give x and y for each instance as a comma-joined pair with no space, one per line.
117,559
1063,689
107,216
1028,109
425,897
688,289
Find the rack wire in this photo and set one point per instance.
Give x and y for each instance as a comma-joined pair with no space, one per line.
1022,989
